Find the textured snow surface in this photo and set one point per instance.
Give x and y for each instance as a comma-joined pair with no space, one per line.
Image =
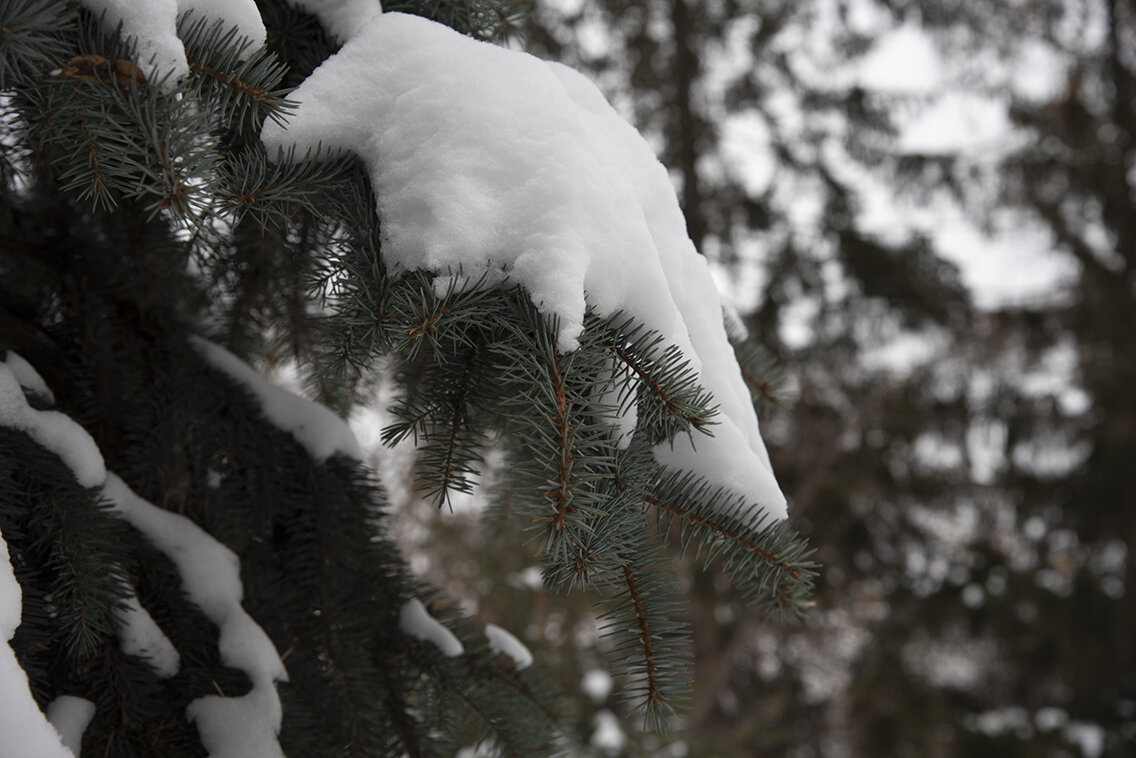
416,621
315,427
52,430
10,595
502,641
153,25
491,161
70,716
28,377
242,14
340,17
24,731
139,635
230,727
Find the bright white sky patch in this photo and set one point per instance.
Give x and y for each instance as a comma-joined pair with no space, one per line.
985,260
416,621
746,147
958,124
1039,72
494,162
902,61
501,641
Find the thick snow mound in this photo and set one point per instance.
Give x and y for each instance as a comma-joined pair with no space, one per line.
494,162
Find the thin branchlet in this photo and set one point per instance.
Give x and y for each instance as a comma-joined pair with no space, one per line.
655,695
561,494
669,401
735,536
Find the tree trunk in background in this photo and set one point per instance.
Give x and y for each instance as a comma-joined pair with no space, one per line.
685,73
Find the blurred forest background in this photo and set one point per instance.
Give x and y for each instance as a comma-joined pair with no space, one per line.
926,210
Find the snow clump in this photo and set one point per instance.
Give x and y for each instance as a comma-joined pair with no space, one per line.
496,164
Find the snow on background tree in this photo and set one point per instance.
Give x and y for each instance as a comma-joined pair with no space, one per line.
196,561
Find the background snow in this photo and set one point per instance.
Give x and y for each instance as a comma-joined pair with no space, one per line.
597,685
492,162
608,737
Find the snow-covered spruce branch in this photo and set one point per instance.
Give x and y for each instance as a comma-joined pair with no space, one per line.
343,584
767,560
249,184
479,219
232,74
668,397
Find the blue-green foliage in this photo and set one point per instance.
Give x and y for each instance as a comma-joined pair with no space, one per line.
135,215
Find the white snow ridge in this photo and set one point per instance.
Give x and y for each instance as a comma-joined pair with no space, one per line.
502,641
491,161
416,621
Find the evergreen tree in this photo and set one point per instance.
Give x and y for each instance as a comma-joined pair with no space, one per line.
200,559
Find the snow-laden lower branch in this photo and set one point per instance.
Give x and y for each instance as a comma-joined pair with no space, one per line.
230,727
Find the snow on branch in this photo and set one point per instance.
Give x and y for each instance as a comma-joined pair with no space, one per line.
341,18
504,167
230,727
314,426
28,378
51,429
139,635
416,621
70,716
502,641
25,729
152,24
